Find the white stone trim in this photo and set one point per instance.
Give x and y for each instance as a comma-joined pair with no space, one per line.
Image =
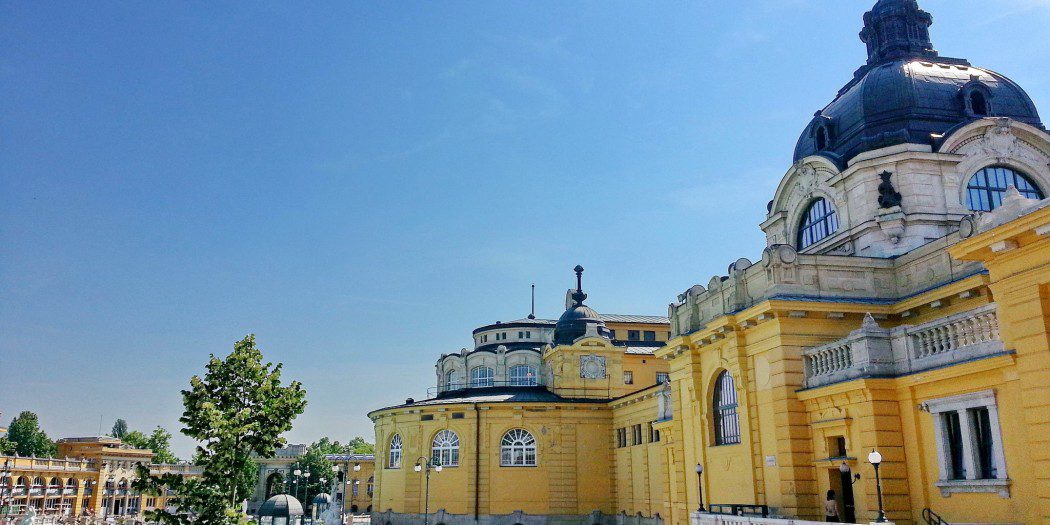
961,404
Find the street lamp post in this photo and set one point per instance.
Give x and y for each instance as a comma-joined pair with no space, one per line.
295,482
700,486
423,463
876,459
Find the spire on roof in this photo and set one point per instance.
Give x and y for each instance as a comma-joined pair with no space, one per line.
578,296
897,29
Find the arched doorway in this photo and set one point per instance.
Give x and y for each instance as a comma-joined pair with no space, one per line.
274,484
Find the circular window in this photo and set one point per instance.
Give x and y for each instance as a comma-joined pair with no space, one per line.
986,188
818,223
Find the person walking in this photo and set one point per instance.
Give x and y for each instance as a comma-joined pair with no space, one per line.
831,508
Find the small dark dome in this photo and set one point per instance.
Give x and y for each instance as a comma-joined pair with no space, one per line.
281,506
906,93
577,317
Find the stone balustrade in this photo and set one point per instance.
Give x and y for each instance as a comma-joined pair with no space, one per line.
703,518
873,351
48,464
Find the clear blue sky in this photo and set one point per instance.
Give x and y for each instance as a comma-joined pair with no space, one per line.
361,184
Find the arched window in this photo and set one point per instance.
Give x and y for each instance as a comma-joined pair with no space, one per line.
523,375
353,487
517,449
451,381
371,485
481,376
727,421
445,449
394,457
985,190
818,223
978,104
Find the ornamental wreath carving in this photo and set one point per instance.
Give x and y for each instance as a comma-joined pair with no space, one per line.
592,367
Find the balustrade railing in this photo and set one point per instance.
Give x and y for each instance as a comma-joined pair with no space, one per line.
873,351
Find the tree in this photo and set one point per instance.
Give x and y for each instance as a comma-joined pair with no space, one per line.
314,462
7,447
24,431
237,409
159,442
120,429
358,445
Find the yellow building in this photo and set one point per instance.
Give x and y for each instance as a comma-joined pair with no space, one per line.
900,307
91,475
523,424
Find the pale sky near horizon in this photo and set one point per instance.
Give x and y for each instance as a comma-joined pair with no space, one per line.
361,184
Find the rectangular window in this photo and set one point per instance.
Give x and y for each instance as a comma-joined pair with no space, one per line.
637,431
621,437
528,335
634,335
612,334
663,377
650,335
426,417
953,433
983,433
654,434
628,377
457,415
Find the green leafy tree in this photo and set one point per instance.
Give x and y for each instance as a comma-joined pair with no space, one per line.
120,429
237,409
159,442
7,447
320,469
358,445
29,440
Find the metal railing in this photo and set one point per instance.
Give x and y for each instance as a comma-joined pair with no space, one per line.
932,518
736,509
456,387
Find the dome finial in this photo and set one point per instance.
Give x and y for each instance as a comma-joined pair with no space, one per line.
578,296
896,29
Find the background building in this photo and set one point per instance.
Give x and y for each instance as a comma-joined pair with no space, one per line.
91,475
900,305
523,422
353,481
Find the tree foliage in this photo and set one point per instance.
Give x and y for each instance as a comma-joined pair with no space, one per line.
320,468
28,439
159,441
120,429
237,409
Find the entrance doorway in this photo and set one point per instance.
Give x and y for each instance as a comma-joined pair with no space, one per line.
842,484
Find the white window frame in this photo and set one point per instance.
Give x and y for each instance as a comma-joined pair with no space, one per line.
444,449
961,404
531,377
476,379
518,449
395,452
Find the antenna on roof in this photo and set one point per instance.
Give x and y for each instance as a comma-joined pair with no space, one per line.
532,315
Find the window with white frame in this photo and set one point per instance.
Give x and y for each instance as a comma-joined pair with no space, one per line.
517,449
628,377
969,443
445,449
394,458
522,375
451,380
481,376
662,377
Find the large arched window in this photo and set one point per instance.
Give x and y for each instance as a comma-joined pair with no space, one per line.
727,420
818,223
445,449
481,376
394,457
523,375
986,188
451,380
517,449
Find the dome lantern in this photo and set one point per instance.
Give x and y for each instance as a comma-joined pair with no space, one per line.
896,29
